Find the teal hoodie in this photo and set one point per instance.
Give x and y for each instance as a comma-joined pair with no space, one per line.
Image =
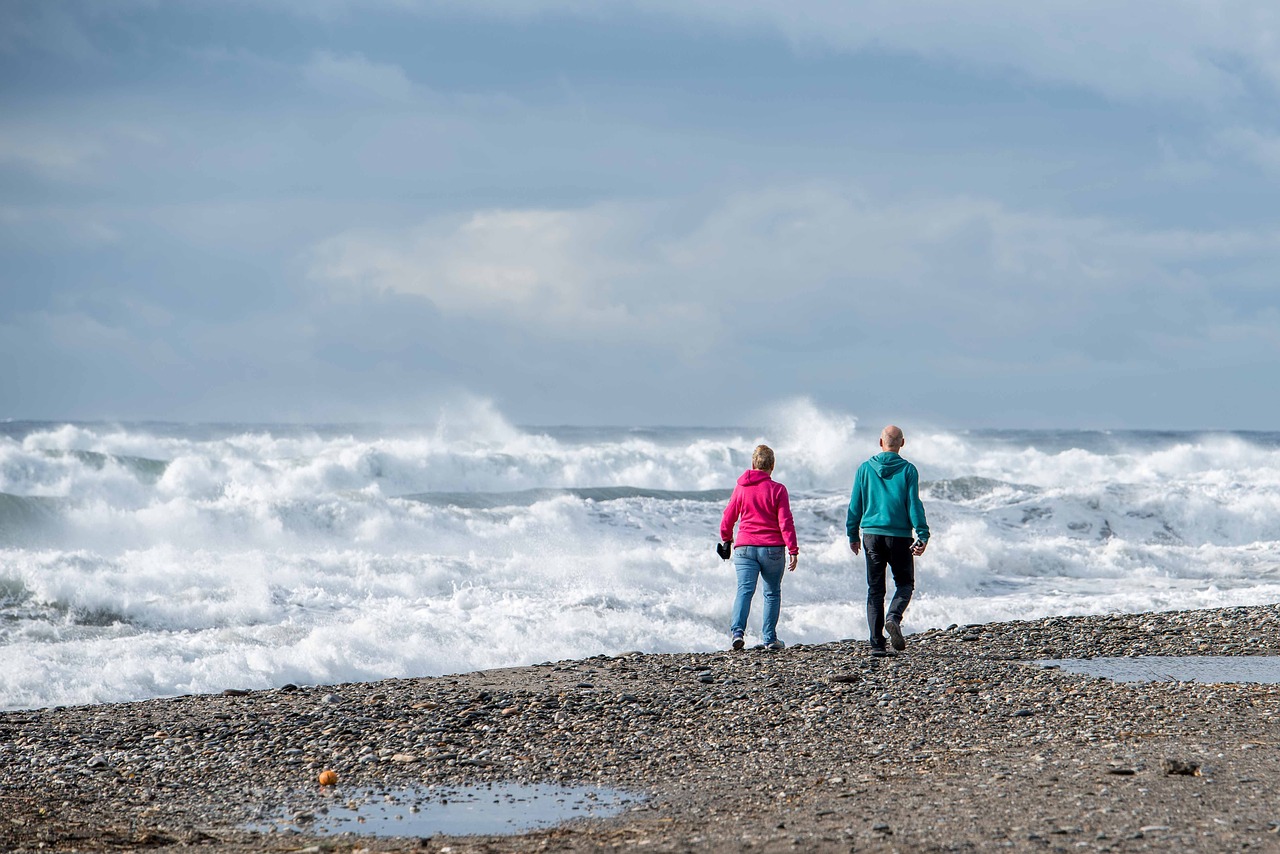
886,499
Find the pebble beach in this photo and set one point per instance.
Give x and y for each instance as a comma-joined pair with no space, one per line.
963,742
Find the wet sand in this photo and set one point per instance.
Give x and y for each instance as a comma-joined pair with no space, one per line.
961,743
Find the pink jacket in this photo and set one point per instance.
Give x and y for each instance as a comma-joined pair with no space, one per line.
763,513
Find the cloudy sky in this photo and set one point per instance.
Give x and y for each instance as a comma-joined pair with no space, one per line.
667,212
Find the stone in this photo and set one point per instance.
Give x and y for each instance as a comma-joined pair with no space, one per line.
839,739
1180,767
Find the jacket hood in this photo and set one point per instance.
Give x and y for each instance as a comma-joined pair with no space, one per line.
751,477
887,464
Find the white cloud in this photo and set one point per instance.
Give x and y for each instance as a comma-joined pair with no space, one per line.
1174,50
1200,51
49,27
51,154
823,263
1259,148
1171,50
80,148
50,228
563,270
1174,166
356,76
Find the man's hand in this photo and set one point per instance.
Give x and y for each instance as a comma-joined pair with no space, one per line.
856,545
791,563
918,548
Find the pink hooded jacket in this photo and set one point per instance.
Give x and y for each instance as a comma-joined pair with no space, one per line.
763,513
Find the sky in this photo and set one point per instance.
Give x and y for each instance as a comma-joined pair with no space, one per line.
997,214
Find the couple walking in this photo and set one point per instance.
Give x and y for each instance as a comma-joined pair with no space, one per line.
885,520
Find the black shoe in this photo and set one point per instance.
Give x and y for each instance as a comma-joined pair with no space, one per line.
879,652
738,642
895,634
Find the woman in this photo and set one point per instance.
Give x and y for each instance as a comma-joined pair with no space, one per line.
762,512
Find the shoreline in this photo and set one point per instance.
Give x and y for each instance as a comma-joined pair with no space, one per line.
961,743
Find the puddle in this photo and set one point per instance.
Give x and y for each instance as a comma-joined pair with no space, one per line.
498,808
1264,669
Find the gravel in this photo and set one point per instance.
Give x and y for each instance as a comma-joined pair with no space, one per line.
961,743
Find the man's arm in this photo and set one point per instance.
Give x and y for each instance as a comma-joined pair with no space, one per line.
916,510
853,521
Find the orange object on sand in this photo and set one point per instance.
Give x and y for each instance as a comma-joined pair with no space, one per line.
328,777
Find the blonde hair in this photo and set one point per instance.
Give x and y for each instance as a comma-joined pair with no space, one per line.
762,458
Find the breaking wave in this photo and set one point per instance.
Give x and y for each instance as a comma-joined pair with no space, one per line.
194,558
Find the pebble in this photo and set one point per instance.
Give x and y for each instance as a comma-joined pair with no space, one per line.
819,722
1181,767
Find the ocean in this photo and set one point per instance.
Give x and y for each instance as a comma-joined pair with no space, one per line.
144,560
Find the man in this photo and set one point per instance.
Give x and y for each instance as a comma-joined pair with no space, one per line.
885,507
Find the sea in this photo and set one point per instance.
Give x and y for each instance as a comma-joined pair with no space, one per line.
142,560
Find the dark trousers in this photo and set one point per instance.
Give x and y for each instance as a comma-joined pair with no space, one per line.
896,553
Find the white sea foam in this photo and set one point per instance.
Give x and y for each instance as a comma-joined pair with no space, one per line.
147,560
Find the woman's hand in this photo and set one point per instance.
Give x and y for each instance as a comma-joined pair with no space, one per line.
791,563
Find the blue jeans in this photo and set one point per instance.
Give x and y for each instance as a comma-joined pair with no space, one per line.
767,562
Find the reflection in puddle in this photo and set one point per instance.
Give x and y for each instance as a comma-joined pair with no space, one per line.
497,808
1162,668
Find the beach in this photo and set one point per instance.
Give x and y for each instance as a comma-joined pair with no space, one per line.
961,743
408,400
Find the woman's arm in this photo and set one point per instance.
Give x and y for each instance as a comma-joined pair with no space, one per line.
731,514
786,522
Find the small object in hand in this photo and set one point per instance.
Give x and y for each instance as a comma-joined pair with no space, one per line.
328,777
724,550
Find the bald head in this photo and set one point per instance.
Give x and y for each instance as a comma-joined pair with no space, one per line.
891,439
